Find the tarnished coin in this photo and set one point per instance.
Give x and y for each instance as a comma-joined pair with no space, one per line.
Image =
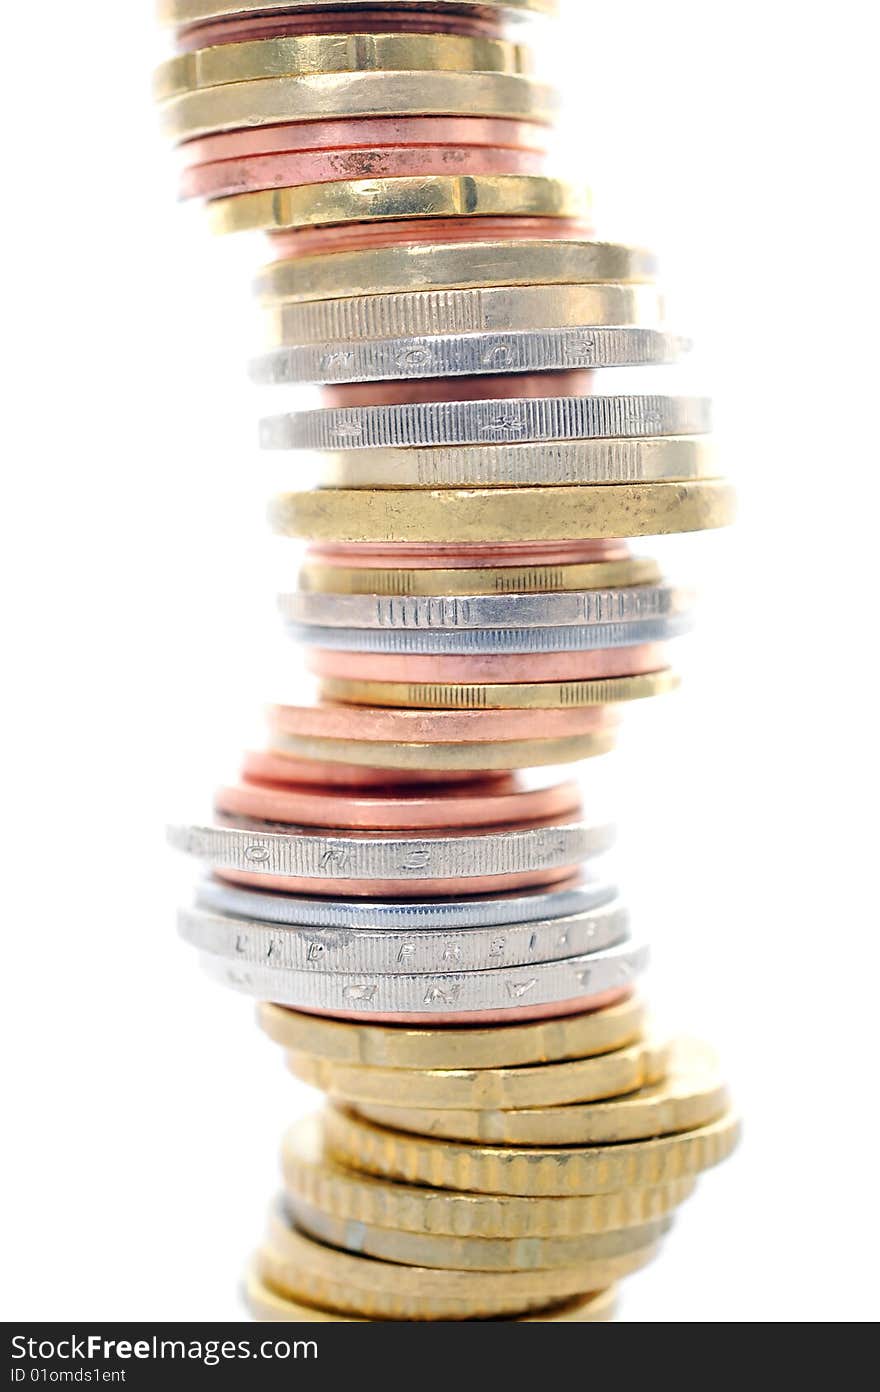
545,1084
532,1171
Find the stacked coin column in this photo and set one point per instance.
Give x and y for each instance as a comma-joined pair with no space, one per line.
416,898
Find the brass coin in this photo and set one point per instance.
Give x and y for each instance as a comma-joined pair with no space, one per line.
479,756
312,1176
502,1046
529,1171
602,691
593,575
544,1084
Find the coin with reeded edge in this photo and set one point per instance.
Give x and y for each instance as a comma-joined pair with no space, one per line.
692,1094
531,1171
265,1305
441,1252
297,1265
535,1085
318,578
504,1046
314,1176
524,696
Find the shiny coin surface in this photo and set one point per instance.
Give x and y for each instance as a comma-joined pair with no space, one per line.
532,1171
322,96
473,1253
546,1084
480,756
509,639
453,266
574,981
503,514
510,696
417,317
419,612
312,1175
691,1095
323,577
244,940
577,1036
296,1265
188,12
476,422
376,723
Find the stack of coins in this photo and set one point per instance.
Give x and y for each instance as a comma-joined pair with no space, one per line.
420,903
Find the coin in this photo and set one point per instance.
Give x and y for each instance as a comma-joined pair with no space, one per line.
504,514
319,96
524,696
489,802
265,1305
577,1036
543,463
297,1265
479,756
531,1171
440,1252
559,638
502,579
304,54
691,1095
553,609
464,265
427,333
572,896
442,996
313,1176
296,243
375,724
491,667
535,1085
185,12
358,950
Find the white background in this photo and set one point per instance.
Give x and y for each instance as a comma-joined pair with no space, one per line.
144,1109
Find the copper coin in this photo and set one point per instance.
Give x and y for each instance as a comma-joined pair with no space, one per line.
484,803
281,768
426,556
377,132
390,724
494,667
372,20
353,236
572,382
403,889
231,176
579,1006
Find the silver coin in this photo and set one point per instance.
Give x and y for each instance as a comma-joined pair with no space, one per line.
406,915
492,640
545,463
419,612
447,993
265,848
466,355
495,309
485,422
385,950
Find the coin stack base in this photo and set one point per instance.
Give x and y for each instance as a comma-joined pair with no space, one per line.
403,879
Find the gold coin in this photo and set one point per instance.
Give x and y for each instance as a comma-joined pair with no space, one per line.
296,1265
335,53
535,1085
267,1306
502,1046
340,96
451,266
314,1177
601,691
181,13
478,756
594,575
503,514
474,1253
554,463
508,308
692,1095
533,1171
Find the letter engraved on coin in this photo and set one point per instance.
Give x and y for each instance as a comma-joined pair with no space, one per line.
517,989
442,995
257,854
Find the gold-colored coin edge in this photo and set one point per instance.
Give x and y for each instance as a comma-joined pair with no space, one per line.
182,13
490,580
478,756
599,691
